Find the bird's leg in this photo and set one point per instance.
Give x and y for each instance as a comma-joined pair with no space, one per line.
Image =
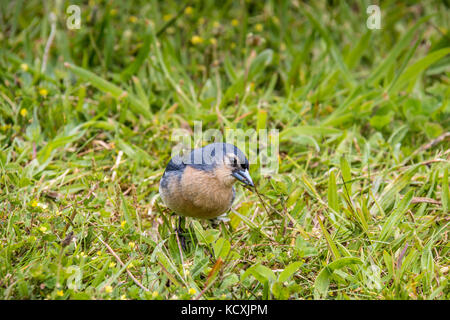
180,233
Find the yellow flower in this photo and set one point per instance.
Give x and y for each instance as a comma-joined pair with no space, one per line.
188,10
112,264
213,41
167,17
123,223
24,113
123,297
60,293
132,244
24,67
133,19
6,127
235,22
233,45
43,228
196,40
113,12
43,92
223,296
155,294
259,27
99,253
108,289
216,24
34,203
192,291
131,265
201,21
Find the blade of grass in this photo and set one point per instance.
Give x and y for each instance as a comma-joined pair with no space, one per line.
386,63
103,85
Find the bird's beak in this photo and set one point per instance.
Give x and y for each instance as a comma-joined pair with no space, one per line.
244,177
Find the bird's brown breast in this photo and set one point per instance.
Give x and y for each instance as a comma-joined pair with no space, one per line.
198,193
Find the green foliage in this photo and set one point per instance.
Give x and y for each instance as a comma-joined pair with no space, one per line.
357,210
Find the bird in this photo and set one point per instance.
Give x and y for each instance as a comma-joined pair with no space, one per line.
201,184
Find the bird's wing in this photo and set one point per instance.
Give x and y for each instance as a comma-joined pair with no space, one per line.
175,164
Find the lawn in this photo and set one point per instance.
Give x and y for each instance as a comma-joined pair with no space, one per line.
357,208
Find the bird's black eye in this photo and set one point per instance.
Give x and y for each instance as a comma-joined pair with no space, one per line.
235,162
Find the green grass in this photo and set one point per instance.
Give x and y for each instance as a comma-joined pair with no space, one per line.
358,210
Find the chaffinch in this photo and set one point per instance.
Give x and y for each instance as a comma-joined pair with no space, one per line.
200,185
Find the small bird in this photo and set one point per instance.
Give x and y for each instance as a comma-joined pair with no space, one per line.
200,185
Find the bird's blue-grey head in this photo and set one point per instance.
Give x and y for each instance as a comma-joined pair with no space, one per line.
224,157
